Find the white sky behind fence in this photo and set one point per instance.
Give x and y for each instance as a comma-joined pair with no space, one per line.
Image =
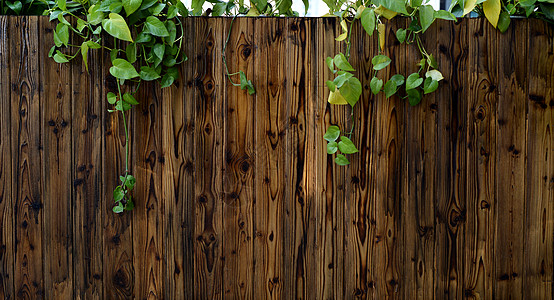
317,7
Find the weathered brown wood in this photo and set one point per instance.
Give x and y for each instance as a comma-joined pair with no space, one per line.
87,131
358,231
239,164
149,203
303,275
236,196
178,175
481,156
7,246
327,177
511,153
27,157
56,123
209,101
119,272
538,240
388,139
419,181
271,122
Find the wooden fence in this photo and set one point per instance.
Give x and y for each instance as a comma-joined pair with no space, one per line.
236,196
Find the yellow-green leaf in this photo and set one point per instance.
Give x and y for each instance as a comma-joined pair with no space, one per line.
491,8
117,27
344,34
469,5
381,30
385,12
336,98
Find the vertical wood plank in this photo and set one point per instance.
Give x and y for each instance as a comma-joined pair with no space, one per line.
539,195
209,137
149,203
178,174
87,132
55,99
450,204
418,195
7,246
302,241
238,178
386,197
481,156
119,273
27,160
328,177
306,83
358,231
271,120
510,160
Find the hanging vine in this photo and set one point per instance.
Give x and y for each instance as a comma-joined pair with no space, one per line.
148,34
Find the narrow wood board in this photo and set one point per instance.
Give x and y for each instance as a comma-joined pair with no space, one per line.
87,178
481,157
511,154
209,101
270,140
7,216
539,194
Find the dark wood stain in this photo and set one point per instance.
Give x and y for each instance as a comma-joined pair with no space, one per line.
236,196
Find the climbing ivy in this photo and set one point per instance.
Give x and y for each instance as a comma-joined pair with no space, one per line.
345,88
148,34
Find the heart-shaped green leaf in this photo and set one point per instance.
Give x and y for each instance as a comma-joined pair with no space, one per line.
368,21
117,27
375,84
346,146
332,133
332,147
341,160
380,62
123,69
156,27
413,81
131,6
342,63
414,96
430,85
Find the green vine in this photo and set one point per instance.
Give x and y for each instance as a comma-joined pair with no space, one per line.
147,39
148,35
345,88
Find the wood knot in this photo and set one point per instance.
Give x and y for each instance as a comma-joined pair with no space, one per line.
246,51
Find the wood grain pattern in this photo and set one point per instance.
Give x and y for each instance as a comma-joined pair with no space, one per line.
119,271
388,173
238,177
481,156
87,131
149,203
358,229
417,201
236,196
7,249
178,109
511,153
209,137
271,121
328,195
27,158
56,121
539,194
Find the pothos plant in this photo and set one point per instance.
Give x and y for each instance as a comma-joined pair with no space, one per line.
346,89
147,37
147,40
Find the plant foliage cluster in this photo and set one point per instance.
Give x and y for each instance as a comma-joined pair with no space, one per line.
144,39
